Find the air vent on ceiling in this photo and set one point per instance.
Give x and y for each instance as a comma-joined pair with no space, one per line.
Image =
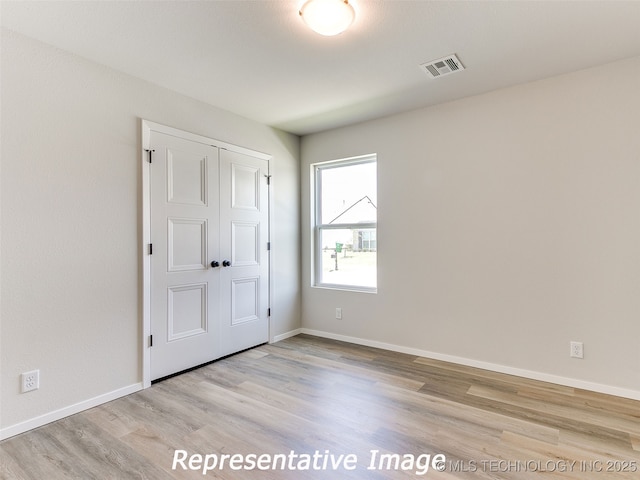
442,66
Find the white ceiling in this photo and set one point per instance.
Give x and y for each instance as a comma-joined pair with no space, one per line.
259,60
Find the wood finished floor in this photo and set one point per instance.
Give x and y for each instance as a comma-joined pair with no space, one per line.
309,394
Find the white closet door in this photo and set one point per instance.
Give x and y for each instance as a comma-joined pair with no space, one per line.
185,288
244,221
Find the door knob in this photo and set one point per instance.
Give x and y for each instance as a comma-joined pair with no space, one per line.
215,264
226,263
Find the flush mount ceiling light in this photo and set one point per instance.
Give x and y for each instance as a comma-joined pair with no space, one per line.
328,17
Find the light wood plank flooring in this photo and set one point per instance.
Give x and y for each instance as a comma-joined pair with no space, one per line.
308,394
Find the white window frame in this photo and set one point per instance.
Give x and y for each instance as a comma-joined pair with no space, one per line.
319,227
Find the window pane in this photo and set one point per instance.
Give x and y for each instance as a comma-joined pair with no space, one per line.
348,257
348,194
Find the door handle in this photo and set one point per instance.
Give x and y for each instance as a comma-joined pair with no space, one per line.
226,263
215,264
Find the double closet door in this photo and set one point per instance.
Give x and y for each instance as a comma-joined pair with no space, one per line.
210,259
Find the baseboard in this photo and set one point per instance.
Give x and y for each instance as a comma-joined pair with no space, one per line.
533,375
284,336
66,411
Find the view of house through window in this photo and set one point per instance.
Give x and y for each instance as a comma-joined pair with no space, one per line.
345,224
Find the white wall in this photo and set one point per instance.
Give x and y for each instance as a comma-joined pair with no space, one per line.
509,225
71,223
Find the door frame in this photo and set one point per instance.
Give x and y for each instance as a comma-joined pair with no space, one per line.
146,127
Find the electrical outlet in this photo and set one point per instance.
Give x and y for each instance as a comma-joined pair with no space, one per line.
30,381
338,314
576,349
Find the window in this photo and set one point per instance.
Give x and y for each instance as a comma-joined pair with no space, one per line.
345,224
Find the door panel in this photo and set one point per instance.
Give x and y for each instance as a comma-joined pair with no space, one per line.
245,185
187,244
185,312
245,241
244,300
244,220
187,177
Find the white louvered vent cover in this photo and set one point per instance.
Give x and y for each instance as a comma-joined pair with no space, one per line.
442,66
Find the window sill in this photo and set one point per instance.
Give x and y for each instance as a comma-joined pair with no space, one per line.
346,288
